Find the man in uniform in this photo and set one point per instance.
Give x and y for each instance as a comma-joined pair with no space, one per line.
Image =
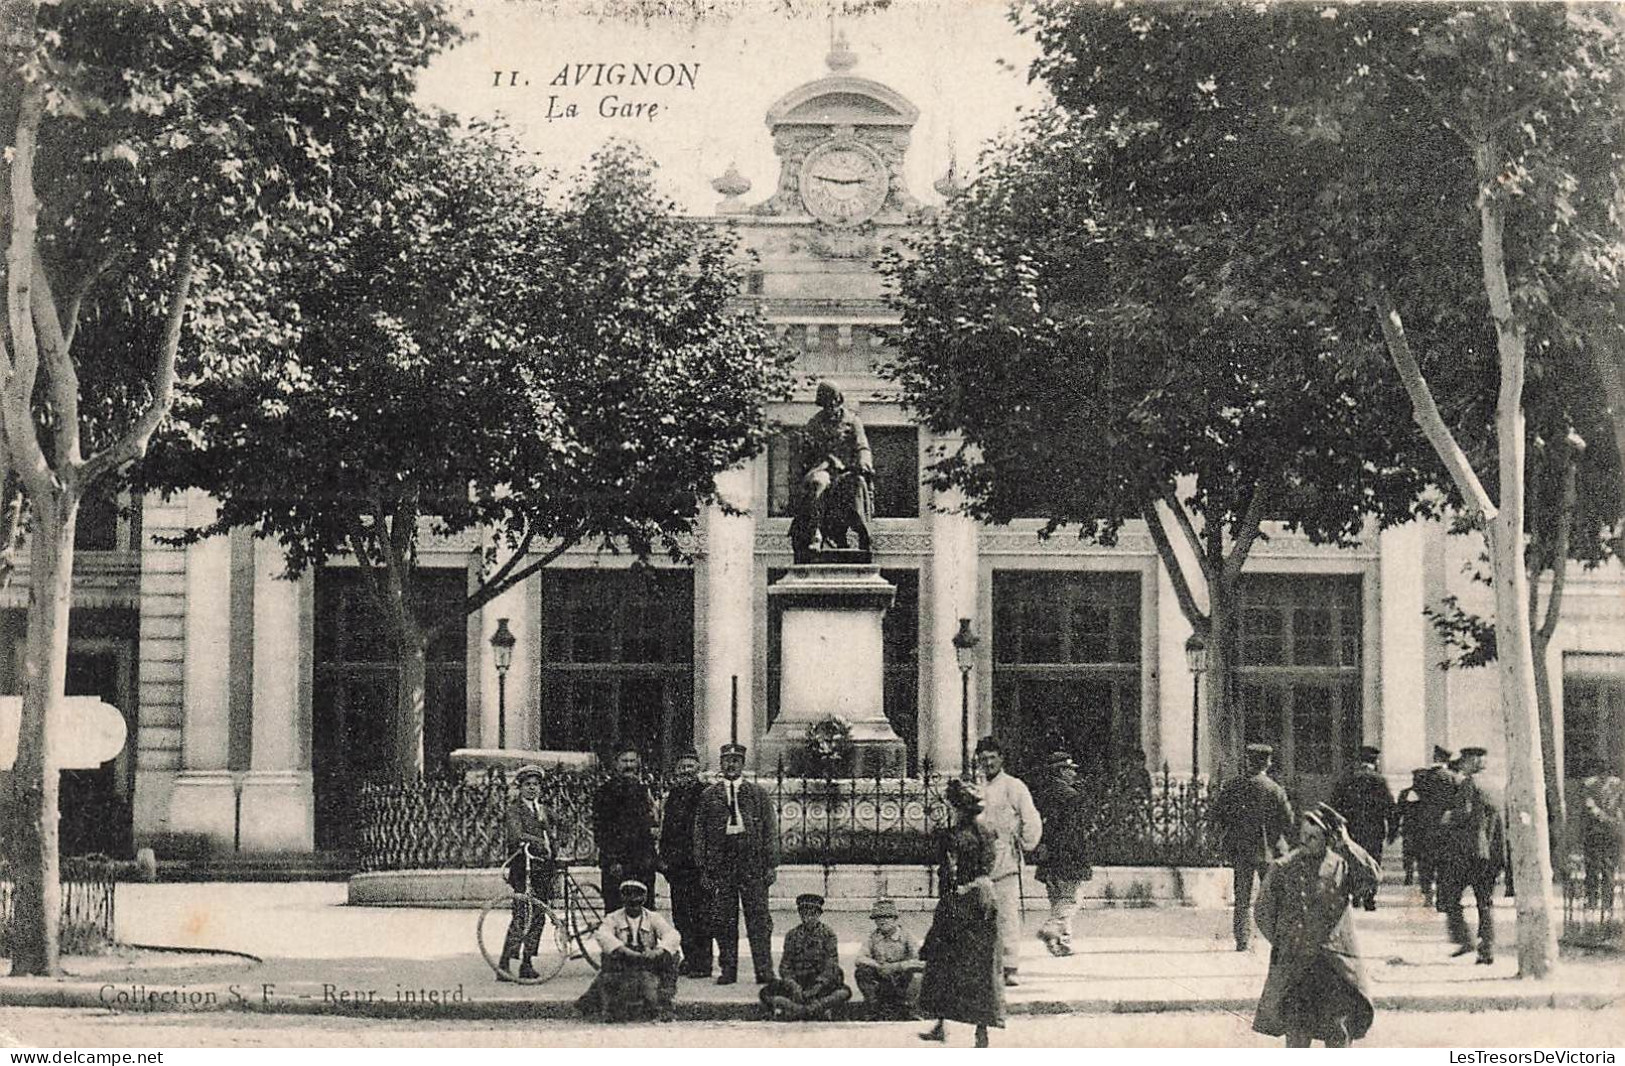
1367,803
1472,843
1062,862
528,841
1254,819
623,824
690,904
1434,790
736,844
1007,809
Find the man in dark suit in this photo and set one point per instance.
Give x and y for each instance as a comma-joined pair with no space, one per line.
736,842
1434,790
527,836
1367,803
1472,838
690,903
1254,819
623,824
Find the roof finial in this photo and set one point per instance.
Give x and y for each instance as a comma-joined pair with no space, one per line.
949,183
841,58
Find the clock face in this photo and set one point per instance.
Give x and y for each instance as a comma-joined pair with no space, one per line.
843,184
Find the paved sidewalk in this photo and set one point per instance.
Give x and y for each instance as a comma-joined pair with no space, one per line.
318,955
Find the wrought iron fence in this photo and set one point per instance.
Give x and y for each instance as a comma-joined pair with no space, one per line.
88,893
1593,892
455,822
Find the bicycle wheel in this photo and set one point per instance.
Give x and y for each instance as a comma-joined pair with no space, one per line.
551,950
584,913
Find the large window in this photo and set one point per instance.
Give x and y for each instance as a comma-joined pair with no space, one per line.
1593,714
618,661
357,678
1066,667
1299,677
896,451
900,653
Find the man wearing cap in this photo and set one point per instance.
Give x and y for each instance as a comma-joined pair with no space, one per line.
810,983
637,978
736,843
1007,809
623,824
1472,846
1365,799
527,835
1254,819
1434,790
888,967
1062,861
690,903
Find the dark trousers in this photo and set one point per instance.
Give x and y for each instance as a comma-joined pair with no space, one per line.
751,897
691,914
893,994
524,932
1455,881
627,990
1241,921
612,885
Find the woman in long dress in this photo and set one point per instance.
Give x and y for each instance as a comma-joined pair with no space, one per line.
1316,986
964,975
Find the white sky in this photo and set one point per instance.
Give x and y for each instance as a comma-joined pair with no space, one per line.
945,57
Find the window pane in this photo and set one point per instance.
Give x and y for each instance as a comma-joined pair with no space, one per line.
897,470
1312,637
1314,729
1066,617
781,448
1262,637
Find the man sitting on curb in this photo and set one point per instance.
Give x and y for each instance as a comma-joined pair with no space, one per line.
638,976
888,968
810,983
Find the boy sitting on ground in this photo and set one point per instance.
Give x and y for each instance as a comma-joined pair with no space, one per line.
810,983
888,967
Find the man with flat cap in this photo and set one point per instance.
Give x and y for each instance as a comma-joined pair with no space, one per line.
1062,858
810,984
736,844
637,978
690,903
527,836
1472,847
1367,802
1434,789
1254,820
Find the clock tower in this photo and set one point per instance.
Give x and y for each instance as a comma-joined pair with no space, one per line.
841,142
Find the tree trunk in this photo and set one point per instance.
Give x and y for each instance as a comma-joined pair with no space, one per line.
410,700
37,899
1610,359
1551,756
1226,725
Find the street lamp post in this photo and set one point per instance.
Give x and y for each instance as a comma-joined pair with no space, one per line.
502,642
1196,659
965,651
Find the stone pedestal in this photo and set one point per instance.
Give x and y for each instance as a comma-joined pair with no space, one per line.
830,656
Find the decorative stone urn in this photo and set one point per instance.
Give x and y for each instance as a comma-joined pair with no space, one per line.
831,664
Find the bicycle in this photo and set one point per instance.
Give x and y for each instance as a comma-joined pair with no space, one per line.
574,921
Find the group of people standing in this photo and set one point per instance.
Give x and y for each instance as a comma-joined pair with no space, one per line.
1315,870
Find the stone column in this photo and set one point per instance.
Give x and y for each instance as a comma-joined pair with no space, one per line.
954,569
277,798
204,800
726,614
1402,587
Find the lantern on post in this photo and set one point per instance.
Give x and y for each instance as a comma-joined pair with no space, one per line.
502,643
1196,659
965,651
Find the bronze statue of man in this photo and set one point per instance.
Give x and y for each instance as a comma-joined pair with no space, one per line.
836,474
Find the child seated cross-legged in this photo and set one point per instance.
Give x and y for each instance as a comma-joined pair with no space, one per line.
810,983
888,967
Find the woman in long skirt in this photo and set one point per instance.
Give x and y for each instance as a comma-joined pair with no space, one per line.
1316,986
964,975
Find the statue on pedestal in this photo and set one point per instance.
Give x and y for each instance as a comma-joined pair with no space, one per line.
835,480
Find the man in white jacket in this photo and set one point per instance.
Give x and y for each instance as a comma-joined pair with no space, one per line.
1007,809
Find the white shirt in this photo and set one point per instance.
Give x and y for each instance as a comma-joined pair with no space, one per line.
736,820
651,927
1007,809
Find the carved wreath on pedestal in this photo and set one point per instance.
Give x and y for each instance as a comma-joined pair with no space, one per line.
829,743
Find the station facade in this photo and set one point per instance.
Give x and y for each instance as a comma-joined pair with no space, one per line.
257,705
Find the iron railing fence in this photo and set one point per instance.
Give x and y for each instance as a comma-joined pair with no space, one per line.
1593,902
88,893
890,817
